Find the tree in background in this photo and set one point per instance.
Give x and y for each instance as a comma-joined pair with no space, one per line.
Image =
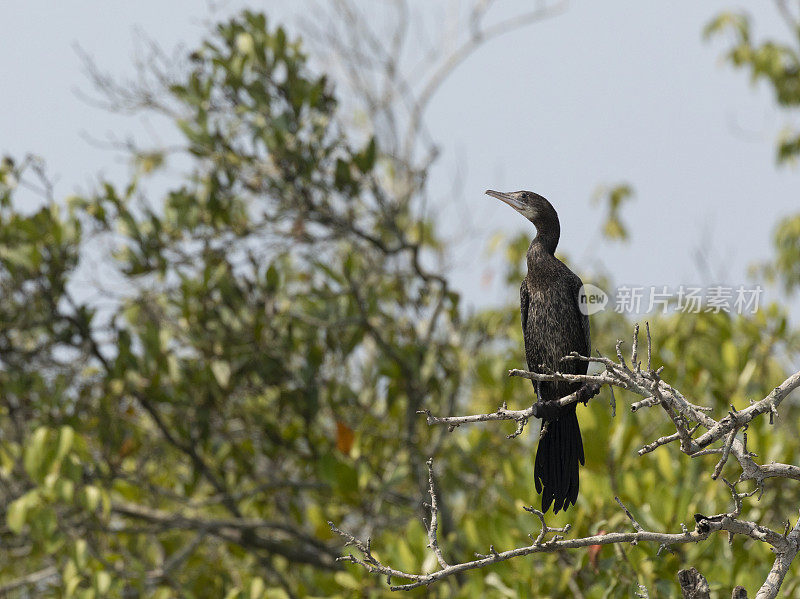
245,361
777,63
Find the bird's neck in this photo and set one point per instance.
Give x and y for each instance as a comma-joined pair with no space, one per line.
546,241
540,257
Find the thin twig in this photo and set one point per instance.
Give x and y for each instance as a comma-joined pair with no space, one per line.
726,451
433,526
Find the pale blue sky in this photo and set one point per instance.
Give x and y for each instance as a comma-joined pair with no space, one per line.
607,92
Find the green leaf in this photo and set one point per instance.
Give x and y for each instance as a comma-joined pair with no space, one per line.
343,178
92,497
365,159
66,435
70,577
256,588
222,372
273,278
16,514
102,582
81,553
36,454
338,474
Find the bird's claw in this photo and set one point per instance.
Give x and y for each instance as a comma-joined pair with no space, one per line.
545,410
587,392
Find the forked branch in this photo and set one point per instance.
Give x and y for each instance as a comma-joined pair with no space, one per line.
687,418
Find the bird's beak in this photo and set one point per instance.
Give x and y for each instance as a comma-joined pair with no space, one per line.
508,198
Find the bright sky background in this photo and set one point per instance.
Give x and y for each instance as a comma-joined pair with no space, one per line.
608,92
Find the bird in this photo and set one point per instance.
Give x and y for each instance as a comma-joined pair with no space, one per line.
553,326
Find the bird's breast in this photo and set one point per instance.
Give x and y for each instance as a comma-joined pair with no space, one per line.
553,326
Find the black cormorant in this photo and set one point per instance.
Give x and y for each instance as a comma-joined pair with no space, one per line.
553,326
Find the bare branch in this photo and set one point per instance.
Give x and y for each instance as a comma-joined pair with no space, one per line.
274,537
703,529
545,530
636,525
780,567
433,526
648,384
29,579
503,413
726,451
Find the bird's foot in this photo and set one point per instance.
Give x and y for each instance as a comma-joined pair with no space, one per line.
702,521
546,410
587,392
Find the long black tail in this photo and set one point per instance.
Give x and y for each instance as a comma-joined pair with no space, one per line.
556,468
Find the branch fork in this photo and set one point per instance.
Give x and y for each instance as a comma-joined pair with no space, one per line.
686,417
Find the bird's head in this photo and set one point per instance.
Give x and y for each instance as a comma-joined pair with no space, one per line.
530,205
537,210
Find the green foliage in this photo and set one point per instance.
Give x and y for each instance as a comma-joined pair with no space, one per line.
614,197
778,64
270,338
785,268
